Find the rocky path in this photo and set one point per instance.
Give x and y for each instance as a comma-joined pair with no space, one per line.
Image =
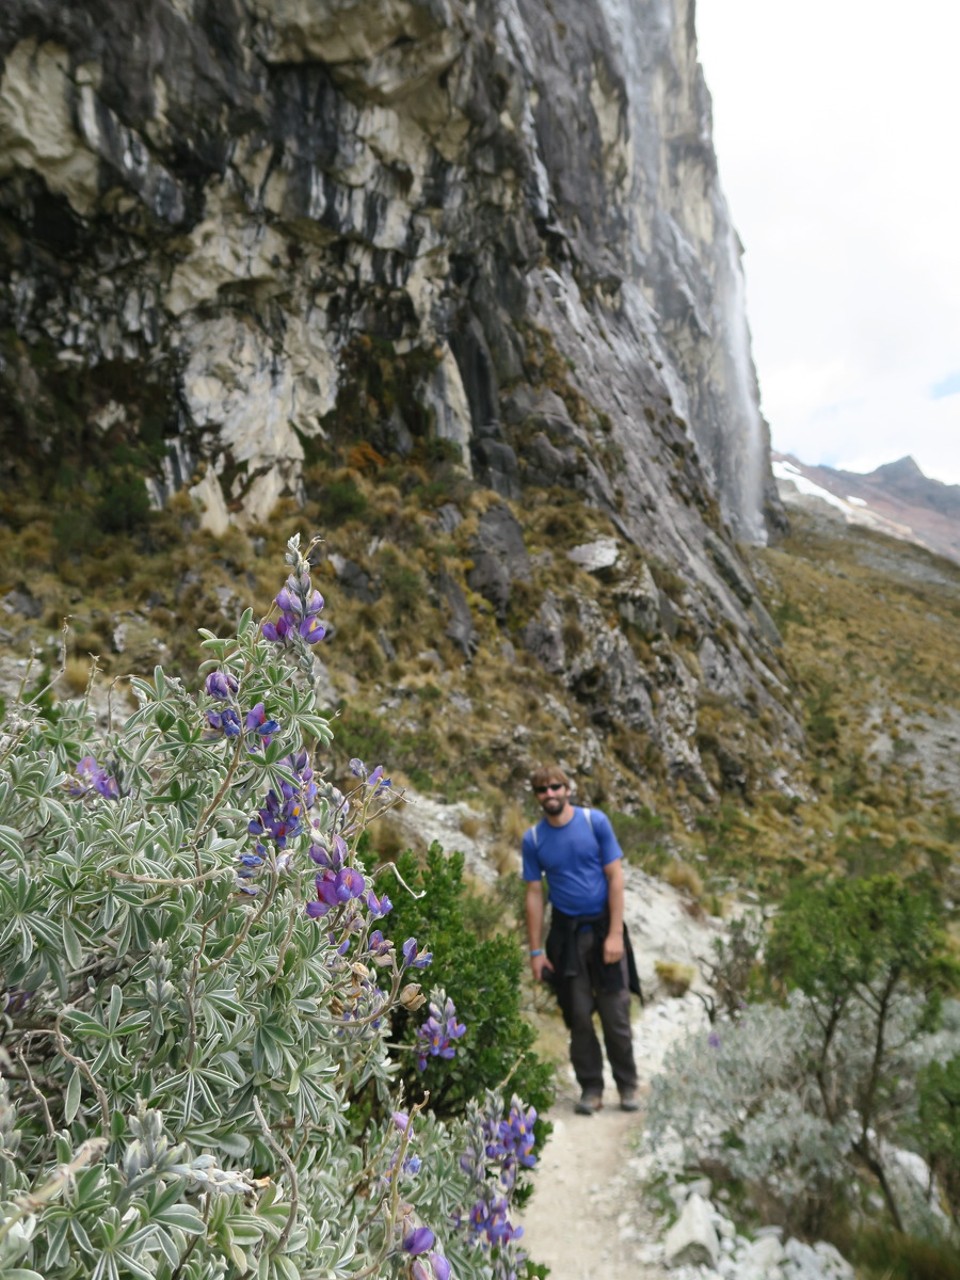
589,1215
586,1217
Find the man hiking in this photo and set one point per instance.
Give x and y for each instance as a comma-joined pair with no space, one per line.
587,956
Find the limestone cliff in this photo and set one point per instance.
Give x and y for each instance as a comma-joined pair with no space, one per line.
233,232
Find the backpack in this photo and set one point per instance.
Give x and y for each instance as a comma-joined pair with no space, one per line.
534,833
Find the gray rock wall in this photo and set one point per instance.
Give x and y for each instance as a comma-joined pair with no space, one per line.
206,205
243,186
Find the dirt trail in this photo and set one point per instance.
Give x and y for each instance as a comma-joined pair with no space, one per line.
586,1217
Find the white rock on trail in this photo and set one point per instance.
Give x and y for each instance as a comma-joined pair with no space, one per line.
692,1238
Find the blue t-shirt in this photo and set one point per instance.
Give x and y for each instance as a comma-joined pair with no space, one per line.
572,858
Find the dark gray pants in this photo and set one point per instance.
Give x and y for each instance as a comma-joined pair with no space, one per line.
614,1010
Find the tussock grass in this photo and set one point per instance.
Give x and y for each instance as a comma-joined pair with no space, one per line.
676,978
680,875
76,674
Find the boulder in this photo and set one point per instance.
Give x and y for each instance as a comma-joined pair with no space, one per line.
594,556
835,1265
692,1238
761,1259
499,557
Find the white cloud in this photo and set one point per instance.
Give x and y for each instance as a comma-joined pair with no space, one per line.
834,128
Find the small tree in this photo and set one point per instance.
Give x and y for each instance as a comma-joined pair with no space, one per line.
794,1097
938,1127
858,949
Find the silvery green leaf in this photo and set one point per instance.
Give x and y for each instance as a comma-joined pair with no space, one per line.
71,944
71,1097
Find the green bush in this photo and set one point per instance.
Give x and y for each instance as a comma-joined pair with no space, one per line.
482,976
124,505
341,501
888,1255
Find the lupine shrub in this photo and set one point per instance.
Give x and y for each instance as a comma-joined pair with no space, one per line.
198,986
805,1099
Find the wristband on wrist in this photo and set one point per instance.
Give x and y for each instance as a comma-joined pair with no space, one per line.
537,951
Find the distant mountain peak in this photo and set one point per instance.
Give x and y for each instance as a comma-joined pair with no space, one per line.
903,469
896,498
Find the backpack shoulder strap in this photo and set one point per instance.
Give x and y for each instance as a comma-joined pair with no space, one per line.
588,814
534,835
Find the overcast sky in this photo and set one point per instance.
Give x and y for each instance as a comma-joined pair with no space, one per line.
835,124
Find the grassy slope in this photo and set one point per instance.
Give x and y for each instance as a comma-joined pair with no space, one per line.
869,628
870,631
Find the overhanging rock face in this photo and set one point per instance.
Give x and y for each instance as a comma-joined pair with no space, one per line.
216,217
248,186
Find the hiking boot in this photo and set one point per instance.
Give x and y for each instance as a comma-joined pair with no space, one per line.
628,1101
588,1104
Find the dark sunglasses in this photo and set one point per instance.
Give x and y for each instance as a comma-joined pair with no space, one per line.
551,786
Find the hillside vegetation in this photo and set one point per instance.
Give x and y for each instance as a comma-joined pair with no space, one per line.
868,660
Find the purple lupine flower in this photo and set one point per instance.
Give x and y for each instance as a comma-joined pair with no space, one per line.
90,776
278,820
713,1040
334,888
15,1000
299,607
419,1240
350,884
299,765
376,781
380,948
332,858
372,777
491,1220
412,1165
378,907
281,818
432,1266
435,1035
221,685
401,1119
260,724
512,1144
225,723
320,855
416,959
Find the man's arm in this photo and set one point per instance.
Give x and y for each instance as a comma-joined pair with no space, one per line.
534,911
613,943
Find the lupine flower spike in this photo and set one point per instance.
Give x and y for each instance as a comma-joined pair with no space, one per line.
298,602
435,1036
